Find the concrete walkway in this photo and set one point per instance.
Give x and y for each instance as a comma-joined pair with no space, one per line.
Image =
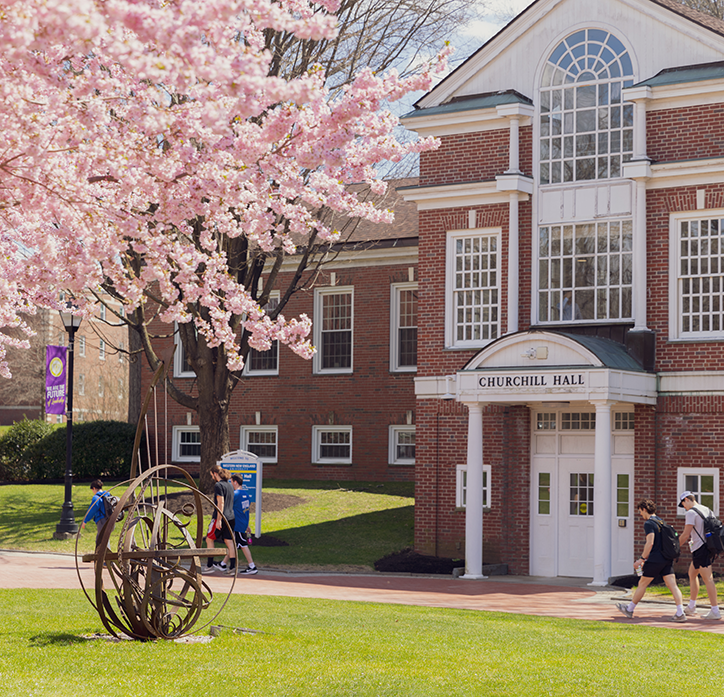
526,595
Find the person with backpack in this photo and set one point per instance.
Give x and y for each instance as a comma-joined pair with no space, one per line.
657,559
242,532
695,534
97,510
219,530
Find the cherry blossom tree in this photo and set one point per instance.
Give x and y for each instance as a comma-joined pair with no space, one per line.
150,151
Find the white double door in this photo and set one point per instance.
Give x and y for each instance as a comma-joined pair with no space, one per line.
563,505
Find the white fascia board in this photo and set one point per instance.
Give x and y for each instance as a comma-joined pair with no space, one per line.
599,384
520,109
455,122
685,94
457,195
495,46
692,383
376,256
666,175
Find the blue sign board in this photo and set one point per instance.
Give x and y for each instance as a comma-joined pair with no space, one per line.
248,467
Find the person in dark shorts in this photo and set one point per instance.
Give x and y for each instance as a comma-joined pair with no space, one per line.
701,556
653,563
241,518
218,529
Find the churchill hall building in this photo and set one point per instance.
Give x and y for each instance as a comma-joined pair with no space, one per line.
570,353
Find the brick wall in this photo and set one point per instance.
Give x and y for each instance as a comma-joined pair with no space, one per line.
370,400
685,134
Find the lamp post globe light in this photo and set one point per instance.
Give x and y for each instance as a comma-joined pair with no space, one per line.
67,527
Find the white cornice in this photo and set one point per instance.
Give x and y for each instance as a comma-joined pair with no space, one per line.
692,383
457,195
684,94
452,123
375,256
665,175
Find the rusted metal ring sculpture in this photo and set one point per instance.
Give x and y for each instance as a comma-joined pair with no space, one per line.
153,561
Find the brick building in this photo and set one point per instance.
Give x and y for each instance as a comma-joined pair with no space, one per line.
571,270
100,369
348,414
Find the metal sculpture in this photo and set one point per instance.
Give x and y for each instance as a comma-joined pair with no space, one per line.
151,557
153,561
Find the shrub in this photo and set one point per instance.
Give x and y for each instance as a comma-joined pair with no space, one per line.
100,449
14,445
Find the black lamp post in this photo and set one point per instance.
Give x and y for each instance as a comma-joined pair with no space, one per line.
67,526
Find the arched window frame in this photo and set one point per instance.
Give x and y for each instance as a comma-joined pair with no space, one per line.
585,127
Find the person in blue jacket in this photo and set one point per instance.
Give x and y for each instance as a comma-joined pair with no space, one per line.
97,510
241,522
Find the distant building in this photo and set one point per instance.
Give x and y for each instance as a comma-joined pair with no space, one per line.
100,370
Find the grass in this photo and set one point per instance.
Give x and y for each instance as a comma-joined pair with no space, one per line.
332,648
350,525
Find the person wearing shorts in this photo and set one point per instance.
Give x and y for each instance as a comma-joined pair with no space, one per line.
241,518
218,529
701,556
654,563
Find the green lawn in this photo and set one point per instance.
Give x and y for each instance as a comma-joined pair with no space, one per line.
344,525
330,648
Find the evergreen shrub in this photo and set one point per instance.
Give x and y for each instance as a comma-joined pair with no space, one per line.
14,444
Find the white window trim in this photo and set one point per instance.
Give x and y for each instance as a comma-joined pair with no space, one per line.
681,474
81,345
395,290
450,333
102,350
81,384
244,441
274,295
178,356
176,444
460,487
675,332
316,438
392,458
319,293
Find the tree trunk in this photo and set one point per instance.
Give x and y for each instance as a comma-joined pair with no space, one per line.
214,427
135,368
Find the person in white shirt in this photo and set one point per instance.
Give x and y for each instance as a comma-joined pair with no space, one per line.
701,557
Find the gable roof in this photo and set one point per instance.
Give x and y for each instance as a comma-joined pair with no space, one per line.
448,88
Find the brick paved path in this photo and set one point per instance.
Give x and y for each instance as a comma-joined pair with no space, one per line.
525,595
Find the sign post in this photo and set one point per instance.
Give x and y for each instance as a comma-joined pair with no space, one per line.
248,467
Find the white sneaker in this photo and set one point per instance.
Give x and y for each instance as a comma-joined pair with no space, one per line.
679,618
623,609
711,615
690,612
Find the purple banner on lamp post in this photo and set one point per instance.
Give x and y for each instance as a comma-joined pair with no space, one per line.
55,363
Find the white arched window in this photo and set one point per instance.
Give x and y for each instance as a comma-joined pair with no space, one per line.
586,131
585,265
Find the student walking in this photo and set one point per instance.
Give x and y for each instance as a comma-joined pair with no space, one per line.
654,563
97,510
701,556
218,530
241,518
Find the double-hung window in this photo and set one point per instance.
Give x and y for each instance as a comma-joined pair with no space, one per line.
403,327
473,288
186,444
697,276
703,482
265,362
332,445
262,441
402,445
181,367
333,329
461,486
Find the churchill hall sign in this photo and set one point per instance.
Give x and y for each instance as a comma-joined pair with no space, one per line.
541,380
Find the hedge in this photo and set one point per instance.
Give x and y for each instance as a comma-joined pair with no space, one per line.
100,449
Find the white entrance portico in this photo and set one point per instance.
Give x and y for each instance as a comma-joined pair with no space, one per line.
581,472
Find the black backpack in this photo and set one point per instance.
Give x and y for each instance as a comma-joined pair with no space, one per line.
109,503
713,532
670,548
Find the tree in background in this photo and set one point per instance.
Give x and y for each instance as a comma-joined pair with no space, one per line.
153,150
715,8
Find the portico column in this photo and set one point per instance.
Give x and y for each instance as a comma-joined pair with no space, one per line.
474,495
602,493
513,262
